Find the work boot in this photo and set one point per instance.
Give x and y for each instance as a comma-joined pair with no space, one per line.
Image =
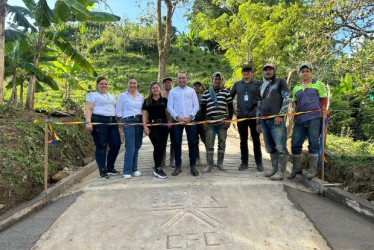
274,163
296,168
243,166
209,160
221,156
282,163
313,162
259,167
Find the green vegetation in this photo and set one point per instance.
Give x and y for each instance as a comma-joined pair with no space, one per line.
22,160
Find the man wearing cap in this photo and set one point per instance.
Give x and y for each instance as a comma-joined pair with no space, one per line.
200,132
247,91
183,106
168,85
308,95
274,100
216,104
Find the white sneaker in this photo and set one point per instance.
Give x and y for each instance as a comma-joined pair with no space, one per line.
137,173
127,176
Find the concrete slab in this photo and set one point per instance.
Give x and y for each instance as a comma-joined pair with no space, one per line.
217,210
186,216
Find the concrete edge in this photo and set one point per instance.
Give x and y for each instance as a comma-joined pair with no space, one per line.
351,201
27,208
344,198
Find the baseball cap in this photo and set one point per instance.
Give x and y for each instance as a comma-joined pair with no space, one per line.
217,74
305,65
268,65
246,67
196,83
166,79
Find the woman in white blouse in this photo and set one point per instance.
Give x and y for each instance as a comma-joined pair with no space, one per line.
129,108
101,107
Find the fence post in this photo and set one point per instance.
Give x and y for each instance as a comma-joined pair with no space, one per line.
45,156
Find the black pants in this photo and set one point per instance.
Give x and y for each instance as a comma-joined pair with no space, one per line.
158,136
243,132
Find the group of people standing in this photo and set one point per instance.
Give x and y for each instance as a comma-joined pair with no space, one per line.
183,105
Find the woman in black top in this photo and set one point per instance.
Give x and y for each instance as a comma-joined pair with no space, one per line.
154,111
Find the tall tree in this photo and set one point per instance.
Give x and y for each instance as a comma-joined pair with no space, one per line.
164,35
2,46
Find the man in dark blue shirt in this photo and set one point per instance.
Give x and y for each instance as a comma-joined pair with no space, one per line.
247,98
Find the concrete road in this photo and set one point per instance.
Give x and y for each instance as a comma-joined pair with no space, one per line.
217,210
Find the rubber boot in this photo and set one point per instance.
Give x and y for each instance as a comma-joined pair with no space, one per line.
282,163
296,169
221,156
313,162
209,159
274,163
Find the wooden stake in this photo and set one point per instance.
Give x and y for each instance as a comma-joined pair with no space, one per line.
46,156
323,146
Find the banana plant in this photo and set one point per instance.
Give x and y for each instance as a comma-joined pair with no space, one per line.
46,21
18,58
71,74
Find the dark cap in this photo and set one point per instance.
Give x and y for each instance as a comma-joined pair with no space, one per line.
196,83
246,67
307,65
217,74
268,65
166,79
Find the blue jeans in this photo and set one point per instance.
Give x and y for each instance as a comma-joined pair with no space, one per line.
275,137
191,138
310,129
213,130
133,142
104,135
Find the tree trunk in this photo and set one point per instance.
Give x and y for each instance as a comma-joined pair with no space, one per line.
31,88
13,96
163,36
291,107
20,104
67,91
2,47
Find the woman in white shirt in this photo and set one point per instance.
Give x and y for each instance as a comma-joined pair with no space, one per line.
129,108
101,107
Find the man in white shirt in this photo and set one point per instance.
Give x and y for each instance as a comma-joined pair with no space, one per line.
183,106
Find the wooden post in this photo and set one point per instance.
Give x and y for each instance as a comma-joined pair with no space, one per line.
45,156
323,146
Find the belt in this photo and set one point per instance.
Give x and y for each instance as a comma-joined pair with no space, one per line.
104,116
134,116
157,121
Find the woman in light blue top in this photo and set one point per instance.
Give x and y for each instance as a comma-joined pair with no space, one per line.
129,108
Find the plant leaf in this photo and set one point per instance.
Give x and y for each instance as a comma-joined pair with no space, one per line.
67,49
62,12
43,14
13,35
103,17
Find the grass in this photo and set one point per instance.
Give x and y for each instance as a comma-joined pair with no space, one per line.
343,146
